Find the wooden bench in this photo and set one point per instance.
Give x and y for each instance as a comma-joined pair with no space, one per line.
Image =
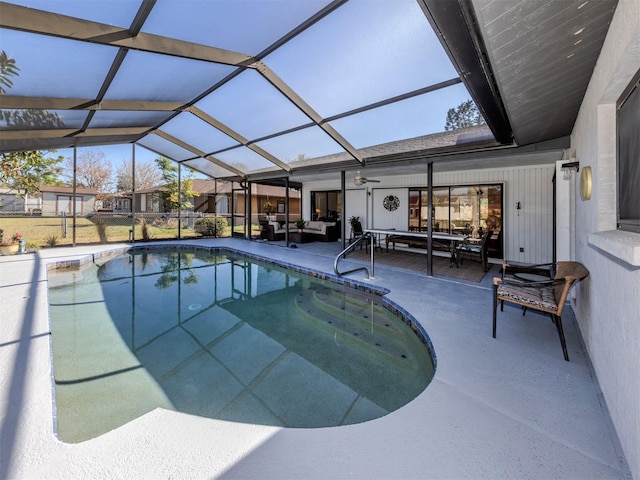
417,242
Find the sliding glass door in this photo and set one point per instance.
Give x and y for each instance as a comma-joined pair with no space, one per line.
465,210
326,205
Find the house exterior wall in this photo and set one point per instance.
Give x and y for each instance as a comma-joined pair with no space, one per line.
385,219
55,203
205,203
565,213
607,303
530,229
356,206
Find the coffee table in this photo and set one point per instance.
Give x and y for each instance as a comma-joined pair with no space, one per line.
299,237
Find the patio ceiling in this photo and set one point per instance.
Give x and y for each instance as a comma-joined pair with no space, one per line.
265,89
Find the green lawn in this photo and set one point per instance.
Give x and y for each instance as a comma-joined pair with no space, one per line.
41,231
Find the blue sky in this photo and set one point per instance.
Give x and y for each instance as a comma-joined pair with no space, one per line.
116,154
363,52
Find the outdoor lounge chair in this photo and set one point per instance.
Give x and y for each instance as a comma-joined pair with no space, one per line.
475,251
547,296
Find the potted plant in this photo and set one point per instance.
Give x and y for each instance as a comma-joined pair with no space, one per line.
11,246
300,223
268,210
355,223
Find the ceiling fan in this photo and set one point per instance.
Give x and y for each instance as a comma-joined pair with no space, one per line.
359,180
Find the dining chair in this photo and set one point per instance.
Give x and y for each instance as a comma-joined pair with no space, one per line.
475,251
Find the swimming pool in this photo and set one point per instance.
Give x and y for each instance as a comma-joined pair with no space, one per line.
225,336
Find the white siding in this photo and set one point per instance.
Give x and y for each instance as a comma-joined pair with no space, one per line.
531,229
383,218
356,205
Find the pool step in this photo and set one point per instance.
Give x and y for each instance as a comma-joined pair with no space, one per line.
361,328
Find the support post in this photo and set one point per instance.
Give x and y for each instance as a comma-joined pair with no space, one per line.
75,183
286,210
132,237
372,247
343,208
179,201
248,211
430,219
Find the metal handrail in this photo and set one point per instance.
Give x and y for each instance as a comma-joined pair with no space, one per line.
350,248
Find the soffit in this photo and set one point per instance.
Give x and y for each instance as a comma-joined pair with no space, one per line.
542,55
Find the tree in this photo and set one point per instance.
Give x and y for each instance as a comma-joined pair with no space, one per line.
26,171
147,176
19,118
464,115
92,171
8,68
169,172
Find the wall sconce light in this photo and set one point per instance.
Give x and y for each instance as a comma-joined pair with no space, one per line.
568,167
518,207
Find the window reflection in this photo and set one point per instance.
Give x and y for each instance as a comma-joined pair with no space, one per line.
465,210
326,206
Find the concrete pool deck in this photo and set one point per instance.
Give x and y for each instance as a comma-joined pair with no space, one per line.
509,407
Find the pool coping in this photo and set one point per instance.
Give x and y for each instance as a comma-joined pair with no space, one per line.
480,417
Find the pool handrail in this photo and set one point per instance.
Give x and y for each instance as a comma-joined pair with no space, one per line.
350,247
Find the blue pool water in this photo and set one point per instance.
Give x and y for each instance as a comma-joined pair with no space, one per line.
222,336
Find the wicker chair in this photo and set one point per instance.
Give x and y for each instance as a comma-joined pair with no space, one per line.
547,296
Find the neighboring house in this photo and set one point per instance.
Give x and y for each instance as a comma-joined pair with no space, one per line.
216,200
219,200
151,200
11,203
114,202
59,200
146,200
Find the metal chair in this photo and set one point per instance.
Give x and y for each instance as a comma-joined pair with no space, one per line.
357,231
475,251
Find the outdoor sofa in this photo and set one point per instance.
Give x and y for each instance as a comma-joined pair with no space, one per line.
316,230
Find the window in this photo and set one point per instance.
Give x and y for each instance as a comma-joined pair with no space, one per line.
326,205
465,210
222,204
628,123
123,205
65,205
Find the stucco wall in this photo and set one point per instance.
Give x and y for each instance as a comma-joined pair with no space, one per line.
607,304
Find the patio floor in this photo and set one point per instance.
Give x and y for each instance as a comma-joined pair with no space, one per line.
509,407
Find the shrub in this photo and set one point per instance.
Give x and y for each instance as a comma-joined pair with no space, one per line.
211,227
52,241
